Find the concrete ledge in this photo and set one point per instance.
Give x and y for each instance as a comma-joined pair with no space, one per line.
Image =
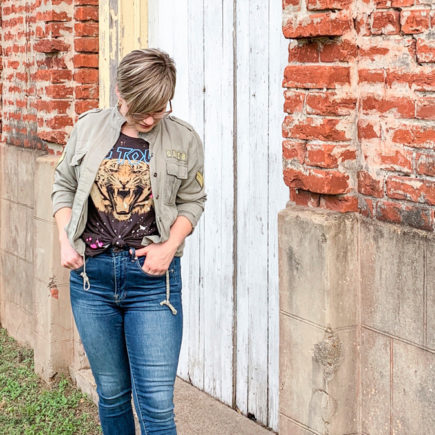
357,335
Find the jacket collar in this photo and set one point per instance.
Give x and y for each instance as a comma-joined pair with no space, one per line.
119,120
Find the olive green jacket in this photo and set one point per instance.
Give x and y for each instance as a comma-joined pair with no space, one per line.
176,171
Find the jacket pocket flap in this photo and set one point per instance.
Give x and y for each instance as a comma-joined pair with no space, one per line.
176,169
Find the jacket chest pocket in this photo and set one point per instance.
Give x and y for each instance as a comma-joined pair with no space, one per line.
176,172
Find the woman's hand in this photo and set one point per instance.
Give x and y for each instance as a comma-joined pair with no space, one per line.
69,257
158,257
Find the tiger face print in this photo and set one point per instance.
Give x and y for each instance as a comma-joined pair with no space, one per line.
122,188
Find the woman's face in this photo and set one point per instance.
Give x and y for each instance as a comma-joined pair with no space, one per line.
144,122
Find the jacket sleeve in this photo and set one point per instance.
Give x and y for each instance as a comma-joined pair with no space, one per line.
191,195
65,182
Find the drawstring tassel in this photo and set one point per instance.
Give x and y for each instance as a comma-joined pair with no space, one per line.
168,292
86,282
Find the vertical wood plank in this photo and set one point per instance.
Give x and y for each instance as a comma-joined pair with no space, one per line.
194,253
278,196
218,236
252,203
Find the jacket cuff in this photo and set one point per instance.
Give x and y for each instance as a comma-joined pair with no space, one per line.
190,211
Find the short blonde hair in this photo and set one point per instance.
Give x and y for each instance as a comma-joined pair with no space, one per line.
146,80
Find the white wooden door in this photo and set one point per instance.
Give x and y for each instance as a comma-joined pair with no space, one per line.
229,57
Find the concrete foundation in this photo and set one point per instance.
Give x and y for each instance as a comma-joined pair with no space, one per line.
356,336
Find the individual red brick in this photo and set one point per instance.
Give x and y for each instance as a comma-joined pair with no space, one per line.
367,185
315,128
294,101
53,136
317,180
372,53
341,203
321,155
86,29
304,197
58,91
83,92
89,45
52,15
315,76
50,46
86,2
338,51
425,50
85,13
385,23
397,160
293,150
61,2
402,107
367,130
318,5
415,136
286,3
401,3
85,61
86,75
423,80
303,51
53,75
425,164
54,106
426,108
414,21
411,189
329,103
371,75
84,105
59,122
321,24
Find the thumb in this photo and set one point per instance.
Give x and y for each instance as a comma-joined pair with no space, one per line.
142,251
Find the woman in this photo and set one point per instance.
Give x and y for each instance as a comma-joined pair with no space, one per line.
128,189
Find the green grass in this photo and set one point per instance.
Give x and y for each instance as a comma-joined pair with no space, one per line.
29,406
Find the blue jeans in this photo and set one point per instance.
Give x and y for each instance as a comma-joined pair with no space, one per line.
131,340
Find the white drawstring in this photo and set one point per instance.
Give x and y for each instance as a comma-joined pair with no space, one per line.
168,292
86,282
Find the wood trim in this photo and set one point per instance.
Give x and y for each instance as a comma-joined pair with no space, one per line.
123,27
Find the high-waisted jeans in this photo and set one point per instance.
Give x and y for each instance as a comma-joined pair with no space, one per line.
132,340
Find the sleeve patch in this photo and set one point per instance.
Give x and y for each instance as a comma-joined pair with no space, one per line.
200,179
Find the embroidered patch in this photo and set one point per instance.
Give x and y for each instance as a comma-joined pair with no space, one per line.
200,179
176,154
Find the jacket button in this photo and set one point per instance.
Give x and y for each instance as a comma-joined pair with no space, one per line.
155,174
157,196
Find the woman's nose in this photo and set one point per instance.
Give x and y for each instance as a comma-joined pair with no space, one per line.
149,120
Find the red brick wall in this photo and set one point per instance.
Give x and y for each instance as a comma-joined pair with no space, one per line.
50,69
359,134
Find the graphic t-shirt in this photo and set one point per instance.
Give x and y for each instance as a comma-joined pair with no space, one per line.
120,208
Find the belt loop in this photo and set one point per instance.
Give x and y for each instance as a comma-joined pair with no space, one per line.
132,252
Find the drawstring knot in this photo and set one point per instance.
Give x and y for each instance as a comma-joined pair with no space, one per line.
86,282
168,292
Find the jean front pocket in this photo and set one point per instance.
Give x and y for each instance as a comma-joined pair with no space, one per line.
140,262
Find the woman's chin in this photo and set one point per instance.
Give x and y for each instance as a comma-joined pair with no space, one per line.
144,128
